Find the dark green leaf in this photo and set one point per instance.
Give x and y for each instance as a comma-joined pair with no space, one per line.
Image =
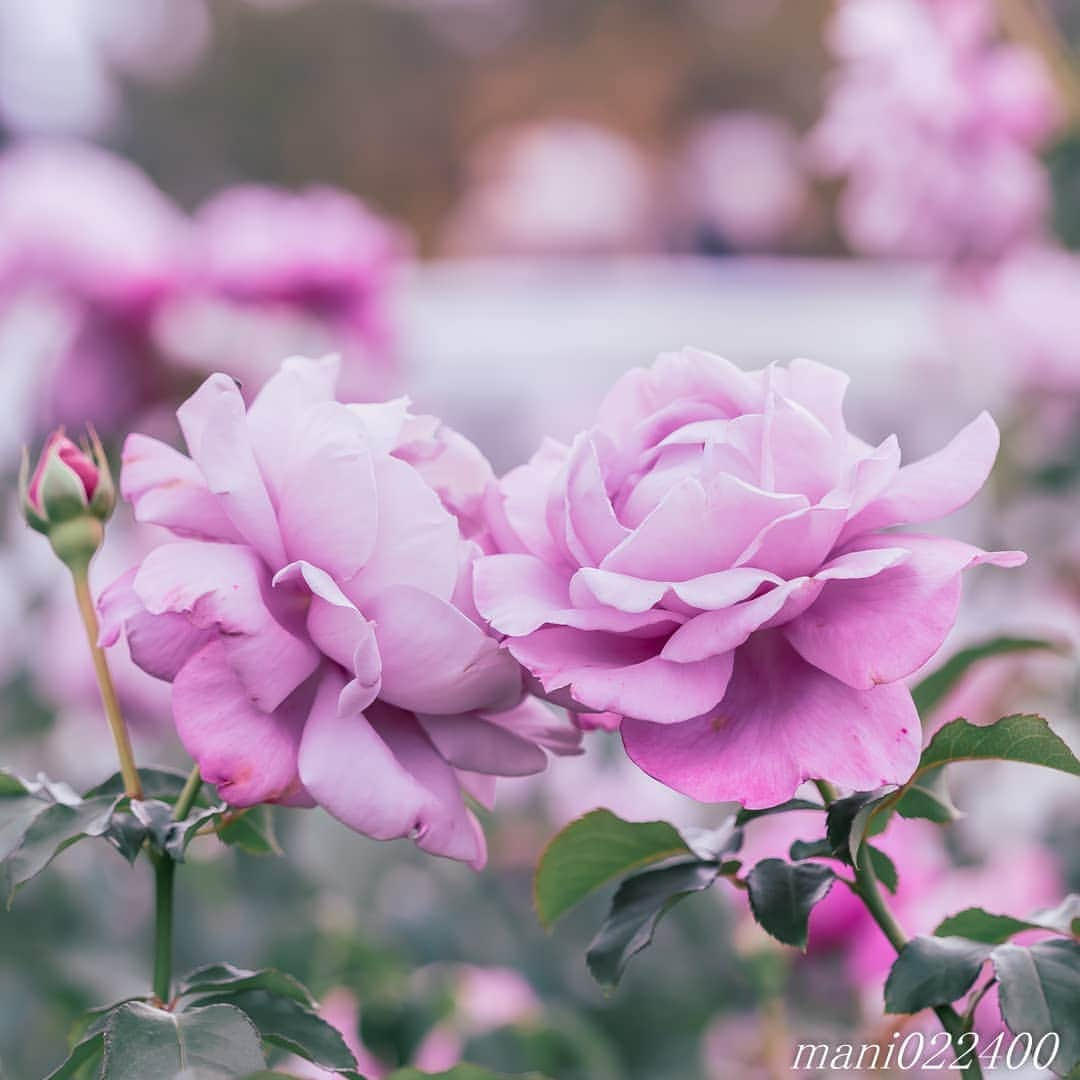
933,971
594,850
847,820
931,691
285,1023
637,907
18,809
126,833
1025,738
884,868
143,1042
225,978
1040,993
181,833
782,895
975,924
744,816
928,797
85,1052
1065,918
810,849
56,828
163,784
251,831
156,819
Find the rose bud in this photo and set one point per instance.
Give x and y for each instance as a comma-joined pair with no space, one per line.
69,496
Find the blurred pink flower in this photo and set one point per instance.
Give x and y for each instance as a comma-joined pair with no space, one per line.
742,180
936,126
709,562
314,615
560,188
275,271
341,1010
89,236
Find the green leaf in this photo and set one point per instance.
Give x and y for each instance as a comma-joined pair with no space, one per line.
782,895
251,831
847,820
227,979
594,850
51,832
84,1053
285,1023
810,849
932,690
1022,737
639,904
933,971
1065,918
928,797
181,833
143,1042
884,868
19,806
163,784
975,924
744,816
1040,993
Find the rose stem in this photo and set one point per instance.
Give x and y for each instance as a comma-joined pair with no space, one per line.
867,889
130,774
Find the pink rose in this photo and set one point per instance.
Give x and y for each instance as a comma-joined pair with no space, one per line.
313,614
709,562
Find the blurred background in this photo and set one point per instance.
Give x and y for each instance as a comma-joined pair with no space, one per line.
496,207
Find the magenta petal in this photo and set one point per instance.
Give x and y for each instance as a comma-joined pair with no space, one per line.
299,383
795,545
468,742
446,826
215,427
248,754
541,724
517,593
417,542
353,774
434,659
168,489
780,723
327,501
221,586
936,485
866,631
592,529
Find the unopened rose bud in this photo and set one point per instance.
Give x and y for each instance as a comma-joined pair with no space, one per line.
69,496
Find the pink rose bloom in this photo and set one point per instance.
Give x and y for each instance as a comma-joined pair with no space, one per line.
89,237
937,128
313,614
275,271
709,562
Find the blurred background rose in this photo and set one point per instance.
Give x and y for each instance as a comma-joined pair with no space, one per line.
497,207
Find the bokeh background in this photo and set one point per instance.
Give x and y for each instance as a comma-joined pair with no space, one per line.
496,207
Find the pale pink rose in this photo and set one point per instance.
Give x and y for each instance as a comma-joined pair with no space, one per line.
936,126
313,615
274,271
709,561
88,237
742,180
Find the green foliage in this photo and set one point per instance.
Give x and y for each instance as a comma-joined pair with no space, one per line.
142,1041
847,821
1022,737
933,971
639,904
1040,994
932,690
251,830
744,817
594,850
223,978
782,895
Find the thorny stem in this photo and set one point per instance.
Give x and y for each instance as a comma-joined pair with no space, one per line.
867,889
132,786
